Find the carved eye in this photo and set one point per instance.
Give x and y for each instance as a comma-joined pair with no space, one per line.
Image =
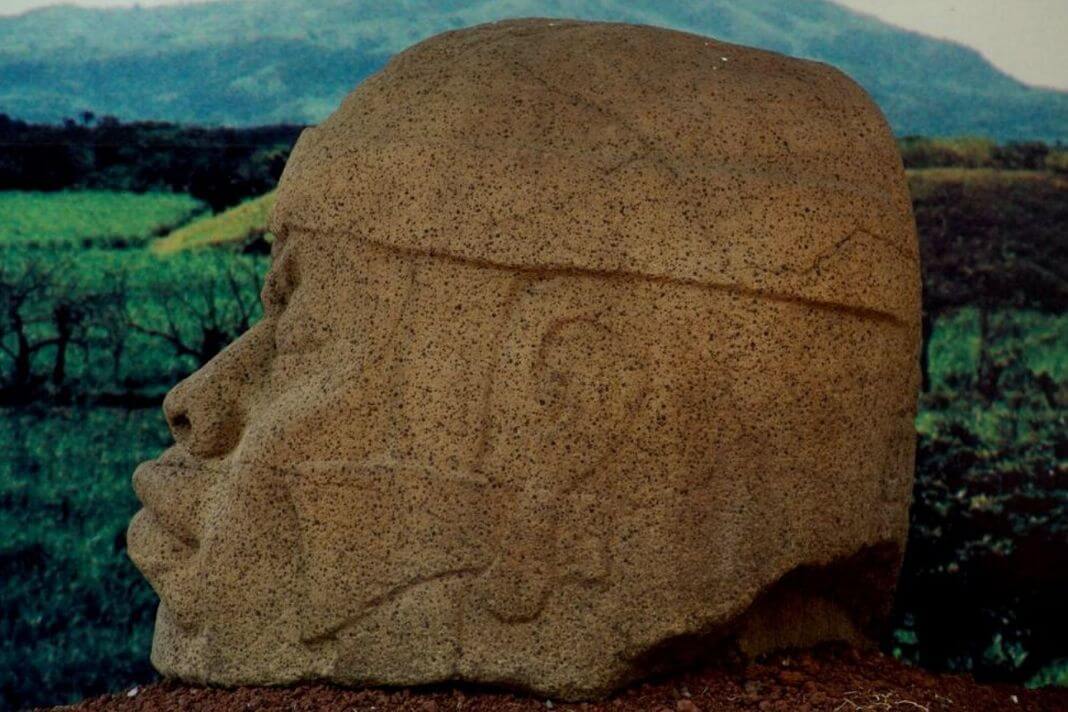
279,285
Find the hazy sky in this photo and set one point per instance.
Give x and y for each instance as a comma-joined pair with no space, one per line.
1025,38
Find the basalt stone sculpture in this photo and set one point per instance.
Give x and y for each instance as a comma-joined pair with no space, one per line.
586,348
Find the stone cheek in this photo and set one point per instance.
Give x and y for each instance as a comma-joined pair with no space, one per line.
555,460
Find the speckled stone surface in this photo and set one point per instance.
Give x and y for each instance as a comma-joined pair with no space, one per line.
588,349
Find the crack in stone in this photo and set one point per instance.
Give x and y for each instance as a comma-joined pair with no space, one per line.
825,255
822,257
842,242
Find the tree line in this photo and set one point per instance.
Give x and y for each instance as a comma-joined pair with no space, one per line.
977,152
221,166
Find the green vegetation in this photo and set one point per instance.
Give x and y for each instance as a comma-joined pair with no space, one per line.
117,325
244,224
1056,673
975,152
91,218
76,617
981,589
90,340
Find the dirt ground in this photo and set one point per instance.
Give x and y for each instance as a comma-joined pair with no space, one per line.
828,678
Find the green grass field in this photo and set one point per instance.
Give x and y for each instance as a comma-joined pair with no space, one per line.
77,617
91,217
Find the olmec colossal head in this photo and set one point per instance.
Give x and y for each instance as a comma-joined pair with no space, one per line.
586,346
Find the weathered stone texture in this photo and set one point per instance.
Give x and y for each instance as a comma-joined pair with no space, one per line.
587,347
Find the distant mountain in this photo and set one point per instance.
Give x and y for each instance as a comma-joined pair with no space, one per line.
264,61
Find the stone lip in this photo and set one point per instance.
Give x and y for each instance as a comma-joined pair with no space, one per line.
566,145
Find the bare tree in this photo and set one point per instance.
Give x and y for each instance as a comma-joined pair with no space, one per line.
24,285
200,319
45,305
113,321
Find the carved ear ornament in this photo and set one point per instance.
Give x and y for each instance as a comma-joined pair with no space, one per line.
371,530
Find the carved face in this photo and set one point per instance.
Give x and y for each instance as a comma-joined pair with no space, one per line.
364,438
412,457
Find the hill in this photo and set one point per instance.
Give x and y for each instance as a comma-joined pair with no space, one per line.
219,166
244,62
240,225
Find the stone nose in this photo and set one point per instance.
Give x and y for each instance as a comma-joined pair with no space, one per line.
204,412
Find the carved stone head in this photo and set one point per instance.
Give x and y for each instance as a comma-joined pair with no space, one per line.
585,346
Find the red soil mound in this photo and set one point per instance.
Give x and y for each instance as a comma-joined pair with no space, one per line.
828,678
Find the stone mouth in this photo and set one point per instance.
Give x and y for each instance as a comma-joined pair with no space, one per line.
156,485
153,547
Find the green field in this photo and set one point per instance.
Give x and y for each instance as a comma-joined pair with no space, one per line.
91,218
77,617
